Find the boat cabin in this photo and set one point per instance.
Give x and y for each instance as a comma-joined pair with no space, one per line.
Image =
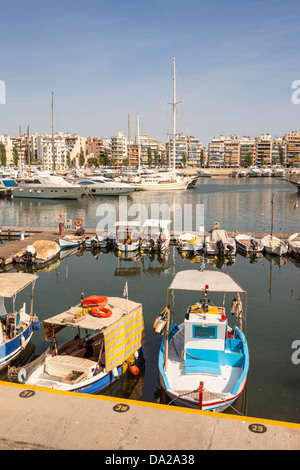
208,341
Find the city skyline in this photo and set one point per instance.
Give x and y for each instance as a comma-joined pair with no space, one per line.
236,65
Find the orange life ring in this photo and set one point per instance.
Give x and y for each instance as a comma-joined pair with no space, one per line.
102,312
25,175
78,222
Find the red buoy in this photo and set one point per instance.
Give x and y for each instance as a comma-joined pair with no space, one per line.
134,370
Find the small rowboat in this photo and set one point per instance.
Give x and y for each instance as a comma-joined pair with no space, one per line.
248,244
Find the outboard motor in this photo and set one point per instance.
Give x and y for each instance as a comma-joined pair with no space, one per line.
151,244
230,249
80,231
254,242
220,248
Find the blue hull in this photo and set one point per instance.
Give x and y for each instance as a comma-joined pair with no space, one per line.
11,349
100,384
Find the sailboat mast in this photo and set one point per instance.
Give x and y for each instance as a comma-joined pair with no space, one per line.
174,113
272,217
138,142
53,156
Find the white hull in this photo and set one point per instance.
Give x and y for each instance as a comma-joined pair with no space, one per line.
47,193
128,247
70,241
274,245
160,186
110,191
189,242
183,388
249,244
294,245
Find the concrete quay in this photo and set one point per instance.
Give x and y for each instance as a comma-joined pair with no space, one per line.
35,418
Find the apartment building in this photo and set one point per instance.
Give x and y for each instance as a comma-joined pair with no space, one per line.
194,149
75,144
94,147
263,150
48,161
118,148
7,142
231,151
246,149
278,146
292,148
181,150
146,143
216,152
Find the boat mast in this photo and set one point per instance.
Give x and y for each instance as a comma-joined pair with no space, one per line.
272,217
53,156
174,113
138,142
128,146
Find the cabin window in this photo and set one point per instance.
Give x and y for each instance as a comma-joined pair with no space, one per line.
204,332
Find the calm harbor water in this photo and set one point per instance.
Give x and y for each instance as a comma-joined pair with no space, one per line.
273,314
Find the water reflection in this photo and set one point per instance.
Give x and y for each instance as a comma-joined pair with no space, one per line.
238,204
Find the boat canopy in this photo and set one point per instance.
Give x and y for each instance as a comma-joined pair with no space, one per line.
212,281
123,331
12,283
157,223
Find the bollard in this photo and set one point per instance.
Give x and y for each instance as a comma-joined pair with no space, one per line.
201,395
22,235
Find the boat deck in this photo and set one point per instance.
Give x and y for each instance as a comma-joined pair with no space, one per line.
179,381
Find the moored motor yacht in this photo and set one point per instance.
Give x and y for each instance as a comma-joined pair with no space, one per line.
47,187
101,186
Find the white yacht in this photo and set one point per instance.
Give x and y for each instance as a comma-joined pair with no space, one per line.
266,172
162,182
101,186
47,187
255,172
279,172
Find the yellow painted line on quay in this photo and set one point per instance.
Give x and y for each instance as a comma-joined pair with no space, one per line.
154,405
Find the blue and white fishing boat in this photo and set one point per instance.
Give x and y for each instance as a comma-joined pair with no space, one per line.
109,339
203,362
17,326
100,240
248,244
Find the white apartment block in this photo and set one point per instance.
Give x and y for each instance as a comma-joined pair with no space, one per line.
8,144
45,153
146,143
118,148
216,152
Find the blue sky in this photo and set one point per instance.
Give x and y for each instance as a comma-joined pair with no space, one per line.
236,62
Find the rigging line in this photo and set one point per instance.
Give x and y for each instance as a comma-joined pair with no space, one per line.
181,101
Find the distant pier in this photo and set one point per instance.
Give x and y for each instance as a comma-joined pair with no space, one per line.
20,237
